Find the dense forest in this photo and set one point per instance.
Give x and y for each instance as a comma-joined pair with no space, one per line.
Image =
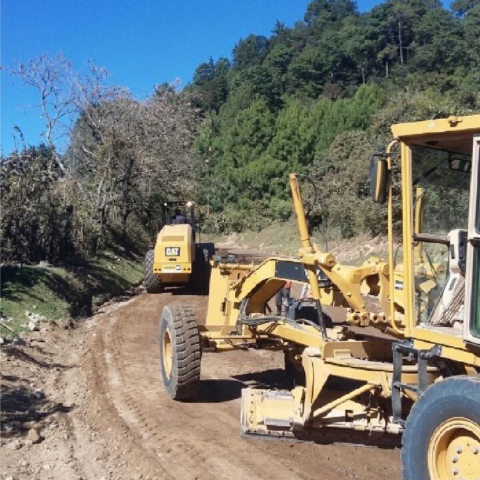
320,96
316,98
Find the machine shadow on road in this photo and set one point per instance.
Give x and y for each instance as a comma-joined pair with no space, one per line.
330,436
194,292
225,390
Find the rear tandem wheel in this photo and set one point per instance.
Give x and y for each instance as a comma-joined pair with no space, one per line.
151,280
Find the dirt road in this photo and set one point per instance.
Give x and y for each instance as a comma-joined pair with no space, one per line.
117,422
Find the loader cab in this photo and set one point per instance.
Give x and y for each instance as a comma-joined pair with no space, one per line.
440,240
181,212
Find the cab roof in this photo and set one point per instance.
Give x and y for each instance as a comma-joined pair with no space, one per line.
453,134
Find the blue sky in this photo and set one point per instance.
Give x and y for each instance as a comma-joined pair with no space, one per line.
141,42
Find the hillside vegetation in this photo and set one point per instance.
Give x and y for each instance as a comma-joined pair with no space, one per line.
320,97
45,292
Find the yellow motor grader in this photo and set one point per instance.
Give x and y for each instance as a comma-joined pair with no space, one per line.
419,376
177,259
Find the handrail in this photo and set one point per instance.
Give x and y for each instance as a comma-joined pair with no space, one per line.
391,266
429,238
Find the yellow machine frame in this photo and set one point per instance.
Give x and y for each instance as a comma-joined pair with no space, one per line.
174,269
381,376
334,353
178,259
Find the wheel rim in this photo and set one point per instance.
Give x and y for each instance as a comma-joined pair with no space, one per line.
454,451
167,353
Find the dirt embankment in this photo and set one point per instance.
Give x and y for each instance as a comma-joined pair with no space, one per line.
43,292
282,239
95,398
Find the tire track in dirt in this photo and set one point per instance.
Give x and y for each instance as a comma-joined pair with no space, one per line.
160,438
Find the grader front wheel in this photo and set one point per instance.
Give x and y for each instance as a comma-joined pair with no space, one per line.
180,352
454,450
442,436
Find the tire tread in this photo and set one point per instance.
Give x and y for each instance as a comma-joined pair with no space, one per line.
151,280
186,342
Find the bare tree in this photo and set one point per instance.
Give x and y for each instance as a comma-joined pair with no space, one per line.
63,95
50,77
124,156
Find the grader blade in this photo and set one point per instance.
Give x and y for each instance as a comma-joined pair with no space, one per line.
270,414
276,415
265,412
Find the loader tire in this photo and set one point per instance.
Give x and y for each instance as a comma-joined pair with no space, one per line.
151,281
294,373
307,310
442,433
180,352
200,280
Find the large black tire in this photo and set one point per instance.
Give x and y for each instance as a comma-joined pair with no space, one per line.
151,281
442,405
180,352
301,311
200,279
293,371
307,310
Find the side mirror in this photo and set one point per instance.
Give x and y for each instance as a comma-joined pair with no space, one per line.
378,178
460,164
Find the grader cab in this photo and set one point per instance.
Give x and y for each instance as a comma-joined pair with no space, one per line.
420,376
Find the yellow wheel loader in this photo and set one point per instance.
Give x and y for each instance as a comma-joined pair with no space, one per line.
177,259
417,377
